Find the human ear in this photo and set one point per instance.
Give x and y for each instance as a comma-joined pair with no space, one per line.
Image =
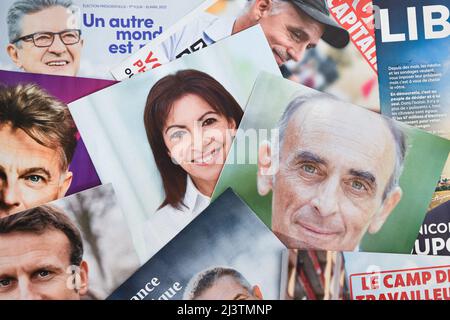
260,8
65,185
264,177
84,278
13,53
389,204
257,292
232,128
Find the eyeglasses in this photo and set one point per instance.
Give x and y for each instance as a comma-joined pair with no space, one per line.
45,39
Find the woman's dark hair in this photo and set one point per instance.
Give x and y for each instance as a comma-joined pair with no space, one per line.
159,103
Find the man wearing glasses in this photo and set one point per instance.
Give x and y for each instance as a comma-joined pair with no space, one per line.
44,37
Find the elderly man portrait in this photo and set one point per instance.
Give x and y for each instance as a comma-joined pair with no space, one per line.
334,175
221,283
290,26
45,36
41,256
37,143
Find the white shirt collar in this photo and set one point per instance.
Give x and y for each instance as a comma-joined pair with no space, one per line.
195,201
221,28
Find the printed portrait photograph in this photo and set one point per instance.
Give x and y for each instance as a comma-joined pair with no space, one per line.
66,249
163,147
42,156
78,37
326,174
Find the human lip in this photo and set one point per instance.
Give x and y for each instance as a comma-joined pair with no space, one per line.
317,231
57,63
207,158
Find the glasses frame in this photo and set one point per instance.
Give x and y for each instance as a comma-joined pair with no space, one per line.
31,36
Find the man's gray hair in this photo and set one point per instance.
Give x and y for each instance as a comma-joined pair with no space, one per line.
396,131
206,279
21,8
276,5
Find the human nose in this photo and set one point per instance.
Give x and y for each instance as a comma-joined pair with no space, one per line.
202,138
10,194
27,291
326,200
57,45
297,51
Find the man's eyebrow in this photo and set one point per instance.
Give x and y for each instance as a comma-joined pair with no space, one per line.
46,266
43,265
6,275
365,175
36,170
309,157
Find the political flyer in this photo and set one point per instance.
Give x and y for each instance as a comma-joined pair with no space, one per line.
378,276
140,142
204,262
434,234
65,250
42,156
80,37
311,167
412,39
342,63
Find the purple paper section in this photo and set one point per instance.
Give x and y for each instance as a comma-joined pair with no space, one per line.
66,89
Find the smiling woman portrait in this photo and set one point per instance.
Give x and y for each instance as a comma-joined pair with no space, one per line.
190,120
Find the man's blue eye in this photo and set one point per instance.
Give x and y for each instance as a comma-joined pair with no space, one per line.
357,185
44,273
5,282
309,168
34,178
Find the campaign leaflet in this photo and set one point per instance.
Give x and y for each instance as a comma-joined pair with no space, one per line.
152,55
225,253
434,234
314,275
90,222
136,144
111,30
349,73
336,275
66,90
378,276
318,170
413,42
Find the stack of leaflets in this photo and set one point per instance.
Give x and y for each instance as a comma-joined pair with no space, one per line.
224,150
